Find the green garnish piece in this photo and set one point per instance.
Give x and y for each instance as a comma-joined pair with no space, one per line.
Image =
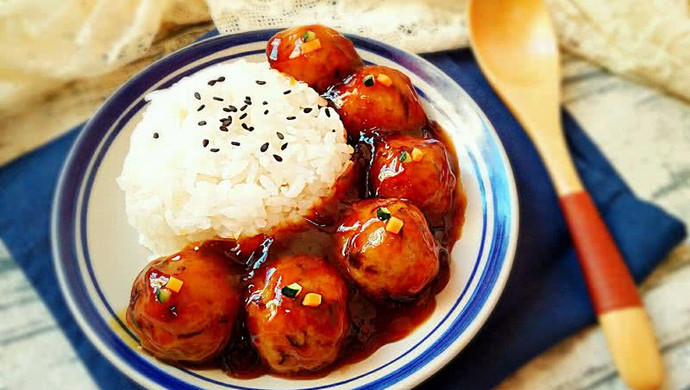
292,290
403,156
369,80
383,214
308,36
163,294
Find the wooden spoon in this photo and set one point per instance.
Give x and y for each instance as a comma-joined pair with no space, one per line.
515,45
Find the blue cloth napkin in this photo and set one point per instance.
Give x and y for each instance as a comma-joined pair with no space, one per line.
545,299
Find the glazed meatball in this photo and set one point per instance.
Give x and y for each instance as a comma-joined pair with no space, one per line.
386,247
377,99
314,54
414,169
183,306
297,313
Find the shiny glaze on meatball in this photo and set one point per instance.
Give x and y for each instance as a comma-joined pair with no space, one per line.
423,177
377,99
194,323
289,336
395,274
385,264
333,60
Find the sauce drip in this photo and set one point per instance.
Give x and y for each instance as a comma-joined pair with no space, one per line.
372,324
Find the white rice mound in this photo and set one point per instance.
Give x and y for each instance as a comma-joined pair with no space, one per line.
184,179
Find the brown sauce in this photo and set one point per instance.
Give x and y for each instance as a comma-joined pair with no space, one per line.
372,325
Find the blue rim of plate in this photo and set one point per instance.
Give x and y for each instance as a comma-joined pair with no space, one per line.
91,145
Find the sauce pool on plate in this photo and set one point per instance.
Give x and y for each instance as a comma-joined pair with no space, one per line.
373,324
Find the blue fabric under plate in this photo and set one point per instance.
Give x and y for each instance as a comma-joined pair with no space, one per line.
545,299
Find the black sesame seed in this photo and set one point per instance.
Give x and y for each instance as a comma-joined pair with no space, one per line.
284,146
291,118
212,83
278,158
333,130
201,107
248,128
248,102
266,112
204,142
264,147
328,112
243,116
243,107
155,136
227,121
307,110
235,143
197,95
221,79
280,135
232,108
248,98
223,128
215,150
287,92
260,82
218,98
226,109
202,123
265,103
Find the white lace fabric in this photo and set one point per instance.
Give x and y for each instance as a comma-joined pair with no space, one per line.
414,25
47,43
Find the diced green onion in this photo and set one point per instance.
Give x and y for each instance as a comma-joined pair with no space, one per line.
369,80
383,214
292,290
308,36
403,156
163,294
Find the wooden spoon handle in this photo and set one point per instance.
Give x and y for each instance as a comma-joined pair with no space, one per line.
608,279
617,303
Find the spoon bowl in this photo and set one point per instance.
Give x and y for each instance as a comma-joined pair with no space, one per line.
530,24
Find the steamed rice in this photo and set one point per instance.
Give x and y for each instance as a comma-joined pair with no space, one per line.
190,175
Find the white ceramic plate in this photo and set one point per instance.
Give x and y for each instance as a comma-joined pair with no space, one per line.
97,255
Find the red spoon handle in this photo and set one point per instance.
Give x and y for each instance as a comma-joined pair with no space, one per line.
626,327
608,278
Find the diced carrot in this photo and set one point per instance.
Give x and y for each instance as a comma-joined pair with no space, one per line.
312,300
311,46
394,225
384,79
174,284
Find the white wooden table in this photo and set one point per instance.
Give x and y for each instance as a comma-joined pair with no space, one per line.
645,133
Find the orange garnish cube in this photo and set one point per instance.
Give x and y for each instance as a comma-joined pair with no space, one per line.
312,300
384,79
310,46
394,225
417,155
174,284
